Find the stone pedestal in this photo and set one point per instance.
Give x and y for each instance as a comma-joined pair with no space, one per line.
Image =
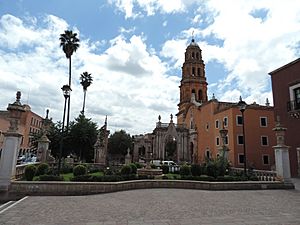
282,162
8,159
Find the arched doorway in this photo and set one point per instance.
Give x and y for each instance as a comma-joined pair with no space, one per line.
171,148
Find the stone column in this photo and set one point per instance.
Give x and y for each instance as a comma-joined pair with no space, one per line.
12,141
282,161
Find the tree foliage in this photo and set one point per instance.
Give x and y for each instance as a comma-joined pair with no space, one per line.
82,137
119,142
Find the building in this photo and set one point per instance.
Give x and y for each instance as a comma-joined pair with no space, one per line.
30,123
196,136
286,95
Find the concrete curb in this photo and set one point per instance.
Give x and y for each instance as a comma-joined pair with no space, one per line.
23,188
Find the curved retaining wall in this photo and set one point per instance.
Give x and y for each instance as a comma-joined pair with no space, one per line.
85,188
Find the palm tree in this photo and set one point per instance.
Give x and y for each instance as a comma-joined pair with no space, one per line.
69,43
86,81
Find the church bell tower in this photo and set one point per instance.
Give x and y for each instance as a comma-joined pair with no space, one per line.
193,85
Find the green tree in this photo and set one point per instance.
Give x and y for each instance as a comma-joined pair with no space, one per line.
69,43
86,81
119,142
82,137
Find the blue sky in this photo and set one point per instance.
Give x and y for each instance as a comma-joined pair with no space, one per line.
134,49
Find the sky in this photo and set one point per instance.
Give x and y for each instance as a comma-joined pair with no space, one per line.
134,50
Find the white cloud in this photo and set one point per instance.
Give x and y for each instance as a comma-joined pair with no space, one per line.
251,45
135,8
129,80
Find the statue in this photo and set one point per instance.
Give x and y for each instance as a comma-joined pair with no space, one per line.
100,147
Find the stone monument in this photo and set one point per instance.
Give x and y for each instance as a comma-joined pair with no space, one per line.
43,142
12,141
100,147
128,157
282,161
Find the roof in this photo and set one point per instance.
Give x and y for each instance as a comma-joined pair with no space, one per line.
285,66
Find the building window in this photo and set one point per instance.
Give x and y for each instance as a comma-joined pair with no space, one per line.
239,120
264,141
207,154
193,55
199,72
225,121
241,158
297,97
217,124
266,160
226,140
217,141
240,139
193,71
207,126
197,55
263,121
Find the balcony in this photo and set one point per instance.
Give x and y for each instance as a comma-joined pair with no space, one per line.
293,108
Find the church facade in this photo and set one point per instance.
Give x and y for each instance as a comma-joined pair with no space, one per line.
196,136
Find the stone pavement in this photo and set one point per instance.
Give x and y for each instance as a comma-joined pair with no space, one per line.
159,207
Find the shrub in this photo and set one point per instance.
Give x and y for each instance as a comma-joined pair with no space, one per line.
133,168
66,168
153,166
138,165
79,170
29,172
45,177
185,170
42,169
165,169
108,171
164,177
82,178
196,170
125,170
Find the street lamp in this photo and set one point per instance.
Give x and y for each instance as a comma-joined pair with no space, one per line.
66,92
242,106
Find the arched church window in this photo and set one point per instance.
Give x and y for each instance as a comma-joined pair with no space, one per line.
200,95
193,71
197,55
193,55
199,72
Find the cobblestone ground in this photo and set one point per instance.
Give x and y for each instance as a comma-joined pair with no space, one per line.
160,207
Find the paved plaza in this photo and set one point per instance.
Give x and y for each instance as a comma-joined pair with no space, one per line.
159,207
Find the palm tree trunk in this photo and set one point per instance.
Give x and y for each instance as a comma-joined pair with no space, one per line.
69,99
83,106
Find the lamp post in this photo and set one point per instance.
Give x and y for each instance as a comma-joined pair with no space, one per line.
242,106
66,92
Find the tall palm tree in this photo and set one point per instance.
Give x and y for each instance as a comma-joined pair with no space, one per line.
69,43
86,81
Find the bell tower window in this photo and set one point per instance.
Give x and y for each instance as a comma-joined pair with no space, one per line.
193,55
199,72
193,71
197,55
200,94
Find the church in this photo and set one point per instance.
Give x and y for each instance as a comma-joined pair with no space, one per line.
197,135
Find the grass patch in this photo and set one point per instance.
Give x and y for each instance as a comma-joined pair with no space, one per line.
172,176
